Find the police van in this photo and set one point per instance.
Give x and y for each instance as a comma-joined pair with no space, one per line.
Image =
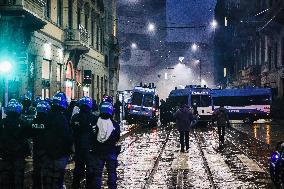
197,97
143,105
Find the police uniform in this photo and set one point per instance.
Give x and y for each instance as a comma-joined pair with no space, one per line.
83,139
14,149
37,132
57,144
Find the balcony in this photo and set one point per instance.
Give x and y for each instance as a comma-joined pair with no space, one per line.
32,11
77,39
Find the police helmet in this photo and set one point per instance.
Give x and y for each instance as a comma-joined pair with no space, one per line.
106,108
14,106
107,98
26,101
87,101
48,100
59,99
36,101
43,107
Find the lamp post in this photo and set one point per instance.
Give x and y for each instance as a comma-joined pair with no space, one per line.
5,68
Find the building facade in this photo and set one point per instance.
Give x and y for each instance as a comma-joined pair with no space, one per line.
60,45
249,45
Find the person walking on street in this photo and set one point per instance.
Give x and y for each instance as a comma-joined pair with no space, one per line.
117,106
37,134
58,143
82,124
183,117
14,147
107,134
221,116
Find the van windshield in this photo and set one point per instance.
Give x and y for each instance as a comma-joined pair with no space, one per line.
148,100
137,98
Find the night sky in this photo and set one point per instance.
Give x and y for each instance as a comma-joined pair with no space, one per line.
193,13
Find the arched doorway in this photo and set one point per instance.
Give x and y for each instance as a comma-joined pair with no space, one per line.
69,82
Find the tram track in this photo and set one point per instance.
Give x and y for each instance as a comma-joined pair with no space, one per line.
207,168
150,177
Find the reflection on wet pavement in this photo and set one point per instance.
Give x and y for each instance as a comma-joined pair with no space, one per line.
150,158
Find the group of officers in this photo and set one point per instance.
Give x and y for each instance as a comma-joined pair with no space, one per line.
91,138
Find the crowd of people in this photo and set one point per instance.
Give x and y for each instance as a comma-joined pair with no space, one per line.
51,131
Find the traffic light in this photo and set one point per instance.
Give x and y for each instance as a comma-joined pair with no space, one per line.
87,77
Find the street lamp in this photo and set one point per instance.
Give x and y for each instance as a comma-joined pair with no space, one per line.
5,68
151,27
133,45
194,47
214,24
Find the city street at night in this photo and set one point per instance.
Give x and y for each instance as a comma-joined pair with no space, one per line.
142,94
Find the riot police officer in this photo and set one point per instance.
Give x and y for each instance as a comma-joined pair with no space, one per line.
58,143
81,124
29,112
107,133
14,147
37,133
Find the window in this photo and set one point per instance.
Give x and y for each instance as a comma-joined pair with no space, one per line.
92,30
106,87
86,21
106,60
59,73
102,86
102,36
201,100
70,13
241,100
269,57
137,98
46,69
47,9
78,17
178,100
98,82
148,100
93,86
59,12
275,55
97,37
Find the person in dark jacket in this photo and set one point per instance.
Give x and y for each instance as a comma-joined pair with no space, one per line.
107,134
37,134
58,143
82,124
183,117
117,106
221,116
14,147
29,112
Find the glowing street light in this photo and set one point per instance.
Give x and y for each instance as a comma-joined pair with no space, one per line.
151,27
5,66
214,24
133,45
194,47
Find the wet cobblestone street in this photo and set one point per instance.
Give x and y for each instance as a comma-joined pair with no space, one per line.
151,158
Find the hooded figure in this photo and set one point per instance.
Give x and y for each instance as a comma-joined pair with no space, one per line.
220,115
107,134
183,117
